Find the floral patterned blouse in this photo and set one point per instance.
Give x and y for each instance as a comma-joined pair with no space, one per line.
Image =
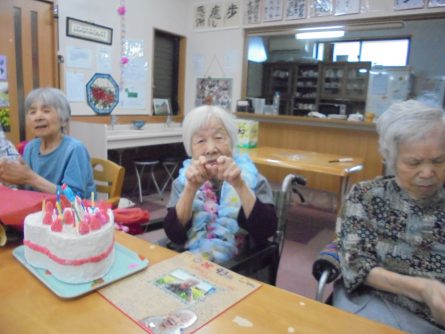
381,226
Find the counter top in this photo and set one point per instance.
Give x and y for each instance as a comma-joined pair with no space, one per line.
99,138
124,136
309,121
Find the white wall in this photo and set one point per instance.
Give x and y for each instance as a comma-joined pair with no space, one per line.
141,18
218,53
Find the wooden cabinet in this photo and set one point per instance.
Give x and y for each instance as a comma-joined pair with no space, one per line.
345,81
303,86
297,84
305,89
278,77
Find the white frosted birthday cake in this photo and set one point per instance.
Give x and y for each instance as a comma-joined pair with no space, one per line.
76,245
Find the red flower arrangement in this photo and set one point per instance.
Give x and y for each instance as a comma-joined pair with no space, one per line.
103,97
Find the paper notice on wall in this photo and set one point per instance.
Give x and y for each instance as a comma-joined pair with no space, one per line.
134,76
75,86
4,94
198,65
3,68
79,57
133,96
103,59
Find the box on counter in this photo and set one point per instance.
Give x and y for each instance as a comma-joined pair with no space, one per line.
247,133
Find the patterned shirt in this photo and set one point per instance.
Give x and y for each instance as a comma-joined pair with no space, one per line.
381,226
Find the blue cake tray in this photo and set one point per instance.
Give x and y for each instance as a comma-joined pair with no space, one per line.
126,263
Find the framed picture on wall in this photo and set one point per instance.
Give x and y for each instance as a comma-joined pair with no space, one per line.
102,93
408,4
295,9
161,107
252,11
232,13
88,31
344,7
321,7
214,91
200,16
436,3
215,15
273,10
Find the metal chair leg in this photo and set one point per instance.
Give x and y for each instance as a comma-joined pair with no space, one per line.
170,173
160,192
138,176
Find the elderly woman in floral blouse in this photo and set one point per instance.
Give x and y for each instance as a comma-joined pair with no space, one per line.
391,230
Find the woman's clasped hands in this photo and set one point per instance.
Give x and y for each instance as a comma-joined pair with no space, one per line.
222,168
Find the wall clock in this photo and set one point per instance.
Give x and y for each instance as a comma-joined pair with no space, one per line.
408,4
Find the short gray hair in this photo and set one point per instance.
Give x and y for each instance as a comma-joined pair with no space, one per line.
200,116
405,122
51,97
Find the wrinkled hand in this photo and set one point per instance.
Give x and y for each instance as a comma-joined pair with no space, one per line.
196,174
14,172
223,169
434,296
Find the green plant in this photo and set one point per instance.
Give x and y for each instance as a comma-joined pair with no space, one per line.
5,121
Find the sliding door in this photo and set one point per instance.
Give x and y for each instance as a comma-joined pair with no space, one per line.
29,44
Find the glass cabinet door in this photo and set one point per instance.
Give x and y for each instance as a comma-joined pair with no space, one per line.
332,83
280,80
305,95
356,85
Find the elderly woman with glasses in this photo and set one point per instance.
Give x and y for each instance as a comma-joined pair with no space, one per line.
391,230
219,196
52,158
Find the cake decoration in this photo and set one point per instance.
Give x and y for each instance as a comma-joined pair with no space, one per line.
75,242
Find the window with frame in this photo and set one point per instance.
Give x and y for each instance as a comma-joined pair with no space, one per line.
366,50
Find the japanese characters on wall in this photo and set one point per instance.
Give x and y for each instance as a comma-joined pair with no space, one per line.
227,14
214,15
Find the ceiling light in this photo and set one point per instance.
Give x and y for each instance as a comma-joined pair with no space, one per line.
321,28
320,34
256,50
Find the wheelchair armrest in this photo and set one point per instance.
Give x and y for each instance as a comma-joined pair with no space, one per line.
251,255
326,269
327,261
176,247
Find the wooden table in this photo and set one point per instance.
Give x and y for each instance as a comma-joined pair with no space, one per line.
27,306
307,161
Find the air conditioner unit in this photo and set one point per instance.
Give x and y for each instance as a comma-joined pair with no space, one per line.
286,43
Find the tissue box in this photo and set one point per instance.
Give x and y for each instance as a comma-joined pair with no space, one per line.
247,133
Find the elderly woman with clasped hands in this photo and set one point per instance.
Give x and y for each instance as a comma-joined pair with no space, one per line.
219,196
391,230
